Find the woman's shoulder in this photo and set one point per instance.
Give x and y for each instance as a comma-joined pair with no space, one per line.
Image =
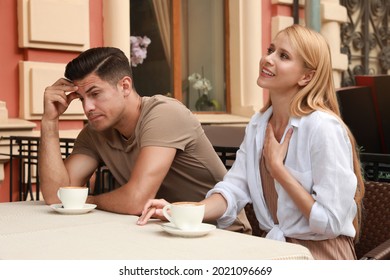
321,117
322,123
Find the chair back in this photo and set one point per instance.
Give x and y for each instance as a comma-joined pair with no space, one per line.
376,217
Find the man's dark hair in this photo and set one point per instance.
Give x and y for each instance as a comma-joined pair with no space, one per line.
108,63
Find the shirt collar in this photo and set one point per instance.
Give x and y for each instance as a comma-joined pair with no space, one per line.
294,121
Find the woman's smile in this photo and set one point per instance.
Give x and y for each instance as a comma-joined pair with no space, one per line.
266,73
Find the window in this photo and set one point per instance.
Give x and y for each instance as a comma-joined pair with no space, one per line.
187,36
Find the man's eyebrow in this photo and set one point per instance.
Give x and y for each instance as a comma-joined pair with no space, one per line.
90,89
87,91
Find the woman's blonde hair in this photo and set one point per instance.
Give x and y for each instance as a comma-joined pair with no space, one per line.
320,93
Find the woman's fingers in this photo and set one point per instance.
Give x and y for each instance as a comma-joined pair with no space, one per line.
146,215
151,209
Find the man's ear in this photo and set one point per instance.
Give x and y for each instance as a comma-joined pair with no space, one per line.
126,83
306,78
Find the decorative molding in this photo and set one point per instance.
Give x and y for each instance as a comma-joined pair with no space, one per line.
34,78
54,24
3,111
332,15
333,12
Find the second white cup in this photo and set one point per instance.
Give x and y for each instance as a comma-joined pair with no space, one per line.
73,197
185,215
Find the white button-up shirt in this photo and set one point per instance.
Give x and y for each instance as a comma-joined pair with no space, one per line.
319,156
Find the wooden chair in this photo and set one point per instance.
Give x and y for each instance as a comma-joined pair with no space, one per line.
374,242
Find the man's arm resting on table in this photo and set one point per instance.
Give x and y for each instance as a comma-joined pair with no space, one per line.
52,172
153,163
55,173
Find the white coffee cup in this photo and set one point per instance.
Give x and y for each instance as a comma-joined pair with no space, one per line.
73,197
185,215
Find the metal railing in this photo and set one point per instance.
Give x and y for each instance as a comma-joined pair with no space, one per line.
23,154
365,39
24,150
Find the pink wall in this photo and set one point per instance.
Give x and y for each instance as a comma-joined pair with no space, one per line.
11,54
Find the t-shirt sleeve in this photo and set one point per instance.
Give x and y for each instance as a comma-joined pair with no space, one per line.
168,124
84,145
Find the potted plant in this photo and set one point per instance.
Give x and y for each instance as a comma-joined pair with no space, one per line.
203,86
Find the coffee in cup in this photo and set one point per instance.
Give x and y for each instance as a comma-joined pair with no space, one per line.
73,197
185,215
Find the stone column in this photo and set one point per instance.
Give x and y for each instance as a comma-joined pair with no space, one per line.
333,14
117,24
245,53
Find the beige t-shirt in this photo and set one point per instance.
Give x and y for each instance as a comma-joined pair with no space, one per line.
164,122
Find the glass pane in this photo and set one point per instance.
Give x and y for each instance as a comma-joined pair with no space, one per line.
203,54
150,18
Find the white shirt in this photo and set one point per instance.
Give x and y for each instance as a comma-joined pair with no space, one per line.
319,156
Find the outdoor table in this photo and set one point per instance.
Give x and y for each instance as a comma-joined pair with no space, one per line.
33,230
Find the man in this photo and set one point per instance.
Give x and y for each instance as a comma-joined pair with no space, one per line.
153,146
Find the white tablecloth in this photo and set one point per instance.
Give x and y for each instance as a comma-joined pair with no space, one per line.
32,230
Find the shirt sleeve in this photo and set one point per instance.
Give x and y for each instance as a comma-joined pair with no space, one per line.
84,145
334,180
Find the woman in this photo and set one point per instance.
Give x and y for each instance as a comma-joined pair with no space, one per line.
298,163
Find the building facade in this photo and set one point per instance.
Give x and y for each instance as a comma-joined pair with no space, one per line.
38,38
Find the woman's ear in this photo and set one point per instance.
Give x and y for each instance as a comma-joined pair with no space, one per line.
306,78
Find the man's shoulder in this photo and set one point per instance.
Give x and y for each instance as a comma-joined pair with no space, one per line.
167,108
160,101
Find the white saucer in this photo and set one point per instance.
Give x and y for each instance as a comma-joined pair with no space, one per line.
85,209
202,230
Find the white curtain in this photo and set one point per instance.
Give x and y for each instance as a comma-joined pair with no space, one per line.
161,9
